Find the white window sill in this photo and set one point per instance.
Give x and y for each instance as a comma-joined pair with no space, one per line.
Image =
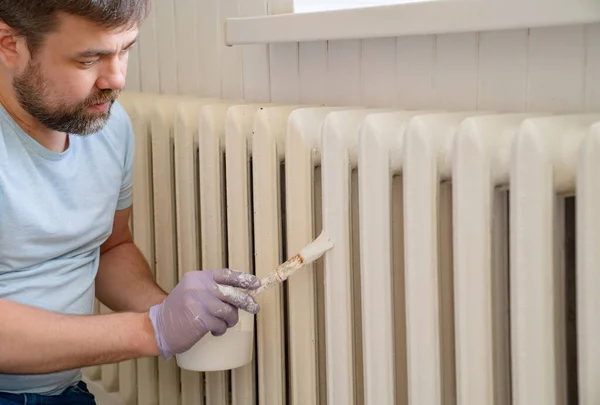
428,17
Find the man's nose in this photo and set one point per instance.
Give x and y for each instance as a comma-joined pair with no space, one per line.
113,77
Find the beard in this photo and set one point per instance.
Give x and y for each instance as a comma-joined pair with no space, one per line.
32,94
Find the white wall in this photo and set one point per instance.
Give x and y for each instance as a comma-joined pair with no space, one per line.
309,6
181,51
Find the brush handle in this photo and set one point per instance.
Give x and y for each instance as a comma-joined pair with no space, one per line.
281,274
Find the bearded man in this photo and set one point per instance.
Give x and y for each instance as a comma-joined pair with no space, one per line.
66,158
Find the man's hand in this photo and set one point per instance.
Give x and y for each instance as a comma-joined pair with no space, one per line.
202,302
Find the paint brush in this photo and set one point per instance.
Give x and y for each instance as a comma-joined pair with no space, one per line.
307,255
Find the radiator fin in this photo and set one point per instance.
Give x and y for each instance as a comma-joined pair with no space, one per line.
450,282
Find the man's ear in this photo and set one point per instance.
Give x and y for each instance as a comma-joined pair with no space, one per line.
12,47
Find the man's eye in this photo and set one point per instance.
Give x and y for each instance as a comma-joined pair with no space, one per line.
87,63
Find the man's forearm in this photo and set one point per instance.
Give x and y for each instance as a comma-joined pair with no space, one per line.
36,341
124,281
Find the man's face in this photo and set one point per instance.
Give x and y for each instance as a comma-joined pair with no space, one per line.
71,82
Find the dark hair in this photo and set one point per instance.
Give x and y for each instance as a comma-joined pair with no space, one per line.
33,19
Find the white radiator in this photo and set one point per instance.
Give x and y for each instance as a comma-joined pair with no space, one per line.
453,278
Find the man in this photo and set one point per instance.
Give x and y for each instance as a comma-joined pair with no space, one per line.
66,154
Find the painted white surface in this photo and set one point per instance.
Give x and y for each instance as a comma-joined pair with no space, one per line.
481,164
302,155
380,144
528,69
414,18
238,131
514,70
268,148
565,72
588,281
211,137
162,118
308,6
503,70
136,105
427,160
544,162
186,177
338,157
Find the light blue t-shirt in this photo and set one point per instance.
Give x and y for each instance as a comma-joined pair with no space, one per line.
56,209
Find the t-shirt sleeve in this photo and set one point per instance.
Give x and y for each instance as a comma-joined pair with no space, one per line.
126,193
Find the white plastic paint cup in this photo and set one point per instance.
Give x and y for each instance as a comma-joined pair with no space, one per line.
232,350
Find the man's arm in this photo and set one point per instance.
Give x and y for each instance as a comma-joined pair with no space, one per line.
35,341
124,281
38,341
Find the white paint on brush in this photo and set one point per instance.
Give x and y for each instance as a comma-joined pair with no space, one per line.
316,248
307,255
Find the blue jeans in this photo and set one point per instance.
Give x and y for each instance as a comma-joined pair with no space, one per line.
76,395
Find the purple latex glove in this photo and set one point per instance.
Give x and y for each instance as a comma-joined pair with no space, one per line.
203,301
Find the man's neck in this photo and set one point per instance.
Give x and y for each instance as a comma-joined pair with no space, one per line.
51,140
